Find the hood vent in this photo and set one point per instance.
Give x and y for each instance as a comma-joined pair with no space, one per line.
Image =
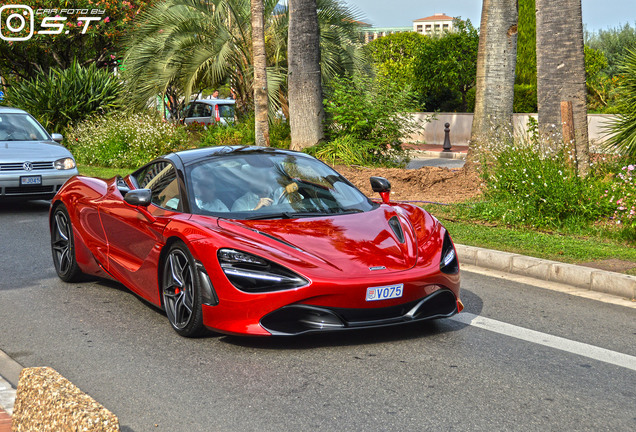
396,226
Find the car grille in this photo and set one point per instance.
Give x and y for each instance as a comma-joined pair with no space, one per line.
18,166
28,190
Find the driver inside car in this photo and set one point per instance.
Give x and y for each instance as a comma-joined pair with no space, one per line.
261,192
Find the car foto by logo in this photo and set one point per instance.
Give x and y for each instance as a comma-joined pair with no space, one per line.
14,19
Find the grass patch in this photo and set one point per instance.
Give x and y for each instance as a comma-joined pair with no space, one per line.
553,246
102,172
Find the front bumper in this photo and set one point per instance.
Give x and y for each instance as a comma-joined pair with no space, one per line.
52,181
300,319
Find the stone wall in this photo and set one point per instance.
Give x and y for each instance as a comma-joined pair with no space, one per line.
461,124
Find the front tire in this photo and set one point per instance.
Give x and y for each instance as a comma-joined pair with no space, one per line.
63,246
181,292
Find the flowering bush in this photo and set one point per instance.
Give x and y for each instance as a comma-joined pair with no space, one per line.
531,184
124,140
621,195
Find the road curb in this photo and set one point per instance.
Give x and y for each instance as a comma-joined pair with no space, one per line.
607,282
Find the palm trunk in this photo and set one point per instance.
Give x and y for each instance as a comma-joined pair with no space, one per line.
306,112
496,62
259,60
561,73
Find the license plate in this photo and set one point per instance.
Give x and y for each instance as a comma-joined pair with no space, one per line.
30,180
385,292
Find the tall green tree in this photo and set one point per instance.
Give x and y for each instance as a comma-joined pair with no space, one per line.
86,42
614,43
561,72
259,59
446,63
306,112
495,72
396,56
181,47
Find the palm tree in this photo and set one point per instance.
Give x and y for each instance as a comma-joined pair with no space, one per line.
184,46
561,72
622,129
259,56
496,60
306,112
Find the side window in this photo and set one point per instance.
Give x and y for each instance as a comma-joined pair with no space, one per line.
161,178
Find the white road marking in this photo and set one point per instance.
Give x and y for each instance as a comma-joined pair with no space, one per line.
579,348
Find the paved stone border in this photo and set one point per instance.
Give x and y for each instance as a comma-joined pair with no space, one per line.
617,284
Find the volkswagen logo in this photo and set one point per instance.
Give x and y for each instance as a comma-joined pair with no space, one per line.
27,166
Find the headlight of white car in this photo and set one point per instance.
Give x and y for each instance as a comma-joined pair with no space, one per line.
64,164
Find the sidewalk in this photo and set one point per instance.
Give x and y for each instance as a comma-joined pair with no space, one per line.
436,151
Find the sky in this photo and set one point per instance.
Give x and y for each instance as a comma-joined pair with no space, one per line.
597,14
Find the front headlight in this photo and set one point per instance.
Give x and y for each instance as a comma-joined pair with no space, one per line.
251,273
64,164
448,262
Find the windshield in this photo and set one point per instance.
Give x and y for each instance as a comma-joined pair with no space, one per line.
270,186
20,127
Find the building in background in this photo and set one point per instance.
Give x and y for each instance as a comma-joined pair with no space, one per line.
371,33
437,23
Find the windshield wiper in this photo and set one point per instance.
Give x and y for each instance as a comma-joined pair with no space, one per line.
281,215
288,215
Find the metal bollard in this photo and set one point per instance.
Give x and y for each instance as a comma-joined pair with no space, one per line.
447,143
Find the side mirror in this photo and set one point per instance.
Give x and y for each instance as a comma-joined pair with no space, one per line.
57,137
383,186
139,197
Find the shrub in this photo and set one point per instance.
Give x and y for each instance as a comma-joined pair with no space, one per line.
63,97
529,184
525,98
123,140
348,150
241,133
370,114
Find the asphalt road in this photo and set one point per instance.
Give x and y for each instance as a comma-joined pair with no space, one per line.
442,375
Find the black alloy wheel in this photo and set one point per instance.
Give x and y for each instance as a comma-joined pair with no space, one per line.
63,246
180,291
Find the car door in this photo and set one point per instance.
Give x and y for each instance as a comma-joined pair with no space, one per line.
135,234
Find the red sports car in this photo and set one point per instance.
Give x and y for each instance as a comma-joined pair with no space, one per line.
256,241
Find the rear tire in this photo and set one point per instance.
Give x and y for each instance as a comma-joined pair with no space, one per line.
63,246
181,291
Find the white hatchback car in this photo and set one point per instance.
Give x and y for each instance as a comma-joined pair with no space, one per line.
33,164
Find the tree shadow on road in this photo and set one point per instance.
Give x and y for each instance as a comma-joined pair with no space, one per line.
24,207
